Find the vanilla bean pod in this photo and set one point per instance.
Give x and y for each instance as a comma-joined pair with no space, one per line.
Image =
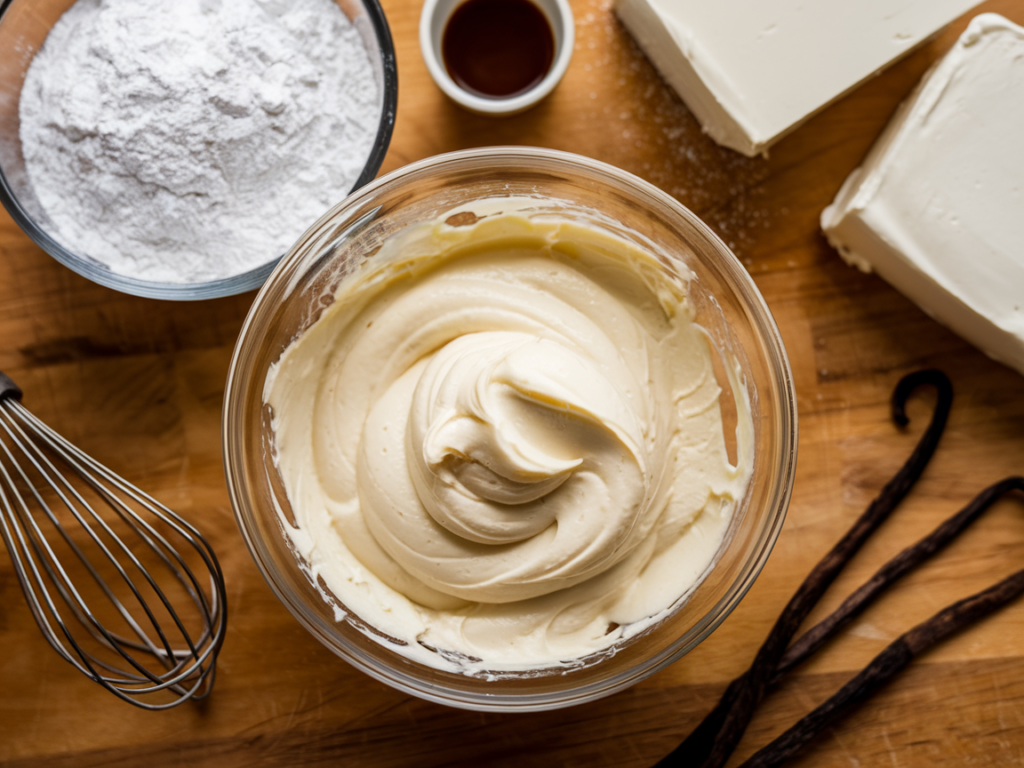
893,570
895,657
716,737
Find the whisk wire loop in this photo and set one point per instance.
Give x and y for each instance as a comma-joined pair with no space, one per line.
55,481
33,451
119,508
65,585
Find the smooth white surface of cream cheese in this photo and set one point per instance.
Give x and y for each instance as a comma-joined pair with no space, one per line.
502,443
937,207
753,70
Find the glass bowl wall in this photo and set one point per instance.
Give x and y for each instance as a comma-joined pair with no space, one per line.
728,306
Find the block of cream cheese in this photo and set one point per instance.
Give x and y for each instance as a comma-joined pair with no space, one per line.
937,207
753,70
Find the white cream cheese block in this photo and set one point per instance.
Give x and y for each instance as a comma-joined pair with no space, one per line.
937,207
753,70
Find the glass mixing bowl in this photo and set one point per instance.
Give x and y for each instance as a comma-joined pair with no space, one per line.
728,306
24,25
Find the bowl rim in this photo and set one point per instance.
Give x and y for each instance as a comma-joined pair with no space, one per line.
235,284
765,540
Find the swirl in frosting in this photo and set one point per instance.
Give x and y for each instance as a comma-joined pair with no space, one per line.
504,441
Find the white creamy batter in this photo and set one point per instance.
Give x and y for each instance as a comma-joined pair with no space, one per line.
502,443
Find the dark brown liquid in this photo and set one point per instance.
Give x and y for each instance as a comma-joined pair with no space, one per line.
498,48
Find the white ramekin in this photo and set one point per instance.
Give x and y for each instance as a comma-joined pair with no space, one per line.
435,17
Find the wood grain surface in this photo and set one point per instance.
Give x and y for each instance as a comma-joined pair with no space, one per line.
138,384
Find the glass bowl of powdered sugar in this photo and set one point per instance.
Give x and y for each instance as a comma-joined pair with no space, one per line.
177,150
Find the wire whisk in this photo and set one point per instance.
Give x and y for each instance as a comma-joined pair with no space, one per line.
107,570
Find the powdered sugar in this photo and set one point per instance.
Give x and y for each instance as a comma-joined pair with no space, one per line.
193,140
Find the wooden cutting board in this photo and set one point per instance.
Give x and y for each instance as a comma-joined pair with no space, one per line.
139,383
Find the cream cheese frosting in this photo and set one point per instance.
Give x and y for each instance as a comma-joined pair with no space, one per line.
935,208
502,443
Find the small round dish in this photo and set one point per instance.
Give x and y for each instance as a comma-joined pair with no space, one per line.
433,21
24,25
727,306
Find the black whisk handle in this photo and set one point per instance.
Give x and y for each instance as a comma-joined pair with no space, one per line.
8,388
